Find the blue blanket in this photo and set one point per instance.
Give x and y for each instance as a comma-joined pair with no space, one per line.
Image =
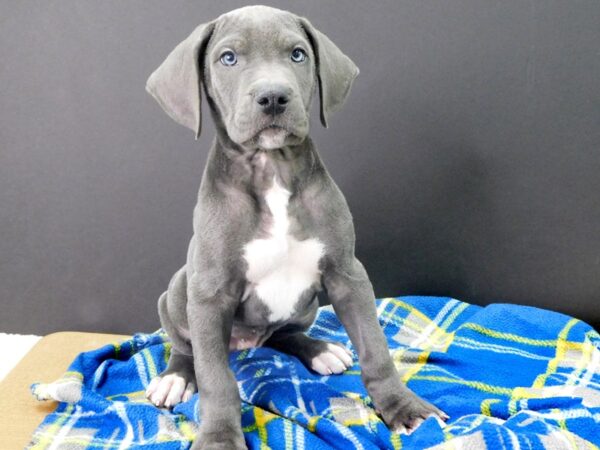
509,377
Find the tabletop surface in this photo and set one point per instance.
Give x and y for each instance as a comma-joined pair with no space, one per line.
20,412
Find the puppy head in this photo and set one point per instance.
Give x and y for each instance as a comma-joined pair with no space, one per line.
259,67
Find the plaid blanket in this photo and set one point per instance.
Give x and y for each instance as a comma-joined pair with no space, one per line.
509,377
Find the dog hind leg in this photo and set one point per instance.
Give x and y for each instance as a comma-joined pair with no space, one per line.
178,382
323,357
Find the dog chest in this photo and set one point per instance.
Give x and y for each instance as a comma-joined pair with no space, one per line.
281,267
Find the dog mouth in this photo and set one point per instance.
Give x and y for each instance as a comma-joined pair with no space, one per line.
273,127
270,134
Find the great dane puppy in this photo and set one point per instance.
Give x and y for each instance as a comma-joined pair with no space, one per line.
271,228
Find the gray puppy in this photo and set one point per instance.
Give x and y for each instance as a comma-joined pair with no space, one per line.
271,228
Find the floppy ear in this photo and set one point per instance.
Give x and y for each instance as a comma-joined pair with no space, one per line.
335,71
176,83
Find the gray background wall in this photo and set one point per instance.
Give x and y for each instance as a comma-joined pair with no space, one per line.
469,152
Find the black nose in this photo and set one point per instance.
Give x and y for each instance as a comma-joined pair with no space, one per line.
273,102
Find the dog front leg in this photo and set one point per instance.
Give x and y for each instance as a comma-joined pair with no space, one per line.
351,294
210,321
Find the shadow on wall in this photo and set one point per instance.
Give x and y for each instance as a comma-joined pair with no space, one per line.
438,254
477,222
433,254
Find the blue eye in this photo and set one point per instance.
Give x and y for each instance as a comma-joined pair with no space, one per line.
228,58
298,55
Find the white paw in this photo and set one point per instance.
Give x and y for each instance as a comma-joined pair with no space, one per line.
335,359
170,390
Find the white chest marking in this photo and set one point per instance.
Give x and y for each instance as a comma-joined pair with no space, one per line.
281,267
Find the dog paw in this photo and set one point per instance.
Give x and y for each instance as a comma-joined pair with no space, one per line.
407,413
333,359
169,390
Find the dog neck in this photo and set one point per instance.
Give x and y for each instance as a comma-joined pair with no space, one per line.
253,170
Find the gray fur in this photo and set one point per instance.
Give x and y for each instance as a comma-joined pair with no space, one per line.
210,296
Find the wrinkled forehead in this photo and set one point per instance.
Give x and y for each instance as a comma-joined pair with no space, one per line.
258,29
